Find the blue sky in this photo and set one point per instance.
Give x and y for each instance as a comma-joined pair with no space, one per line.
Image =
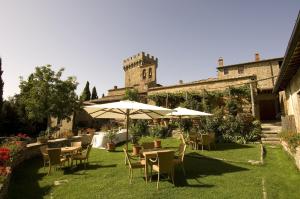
91,38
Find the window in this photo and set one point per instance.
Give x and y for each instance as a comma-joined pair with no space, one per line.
144,74
150,73
226,71
241,70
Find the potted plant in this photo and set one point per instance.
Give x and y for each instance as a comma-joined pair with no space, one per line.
43,137
156,132
111,135
135,136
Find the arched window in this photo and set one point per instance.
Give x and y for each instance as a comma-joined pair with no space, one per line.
150,72
144,74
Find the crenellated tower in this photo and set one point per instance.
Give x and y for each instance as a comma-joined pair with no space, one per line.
140,71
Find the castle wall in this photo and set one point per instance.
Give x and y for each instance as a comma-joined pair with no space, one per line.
262,69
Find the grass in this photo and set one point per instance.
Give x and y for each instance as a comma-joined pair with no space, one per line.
207,177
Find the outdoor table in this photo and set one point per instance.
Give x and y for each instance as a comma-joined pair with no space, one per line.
151,153
70,151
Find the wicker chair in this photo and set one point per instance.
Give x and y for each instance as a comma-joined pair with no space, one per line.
212,137
179,159
83,156
132,165
164,165
55,158
76,144
193,141
45,155
205,141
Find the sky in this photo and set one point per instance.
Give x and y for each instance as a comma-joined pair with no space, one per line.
91,38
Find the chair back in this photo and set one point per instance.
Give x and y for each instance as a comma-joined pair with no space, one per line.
87,151
76,144
205,139
54,155
165,161
43,150
147,145
127,157
212,137
182,148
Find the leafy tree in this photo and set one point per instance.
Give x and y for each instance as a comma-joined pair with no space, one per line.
86,94
94,93
1,84
131,94
44,94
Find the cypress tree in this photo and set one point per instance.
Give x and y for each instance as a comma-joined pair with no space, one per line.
86,94
94,93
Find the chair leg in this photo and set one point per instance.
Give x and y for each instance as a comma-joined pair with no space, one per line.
131,174
49,170
157,180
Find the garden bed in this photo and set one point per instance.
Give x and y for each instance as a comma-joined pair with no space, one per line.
293,153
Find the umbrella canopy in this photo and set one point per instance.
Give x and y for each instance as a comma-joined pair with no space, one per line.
186,113
125,110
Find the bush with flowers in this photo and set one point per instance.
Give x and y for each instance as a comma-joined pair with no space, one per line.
5,159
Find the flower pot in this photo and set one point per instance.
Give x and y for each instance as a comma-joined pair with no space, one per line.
136,149
110,146
157,143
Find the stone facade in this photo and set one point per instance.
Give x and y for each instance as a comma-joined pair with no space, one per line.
288,82
140,71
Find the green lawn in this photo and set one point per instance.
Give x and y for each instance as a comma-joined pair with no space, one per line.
207,176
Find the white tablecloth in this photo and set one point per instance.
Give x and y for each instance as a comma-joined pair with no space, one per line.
100,140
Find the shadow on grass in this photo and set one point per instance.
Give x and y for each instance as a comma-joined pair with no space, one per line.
80,167
198,166
26,177
229,146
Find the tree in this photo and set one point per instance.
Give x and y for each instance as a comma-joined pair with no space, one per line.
86,94
131,94
45,95
1,84
94,93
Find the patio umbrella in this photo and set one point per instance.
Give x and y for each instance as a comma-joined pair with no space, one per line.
186,113
125,110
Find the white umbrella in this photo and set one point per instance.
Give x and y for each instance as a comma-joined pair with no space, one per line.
125,110
186,113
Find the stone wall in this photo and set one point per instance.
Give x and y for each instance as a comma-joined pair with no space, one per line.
140,71
209,85
292,94
31,151
262,70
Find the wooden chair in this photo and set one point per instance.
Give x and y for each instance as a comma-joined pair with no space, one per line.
132,165
205,141
55,158
45,155
193,141
179,159
212,137
164,165
83,156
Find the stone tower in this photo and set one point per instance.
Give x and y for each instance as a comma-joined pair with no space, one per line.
140,71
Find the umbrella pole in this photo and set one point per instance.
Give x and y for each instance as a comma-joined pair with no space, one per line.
127,124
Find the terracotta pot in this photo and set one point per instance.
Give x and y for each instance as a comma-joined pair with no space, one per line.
110,146
136,149
157,143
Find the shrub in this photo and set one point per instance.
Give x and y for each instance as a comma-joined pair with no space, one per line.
292,138
158,131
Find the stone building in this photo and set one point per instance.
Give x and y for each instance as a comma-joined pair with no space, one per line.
140,73
288,82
